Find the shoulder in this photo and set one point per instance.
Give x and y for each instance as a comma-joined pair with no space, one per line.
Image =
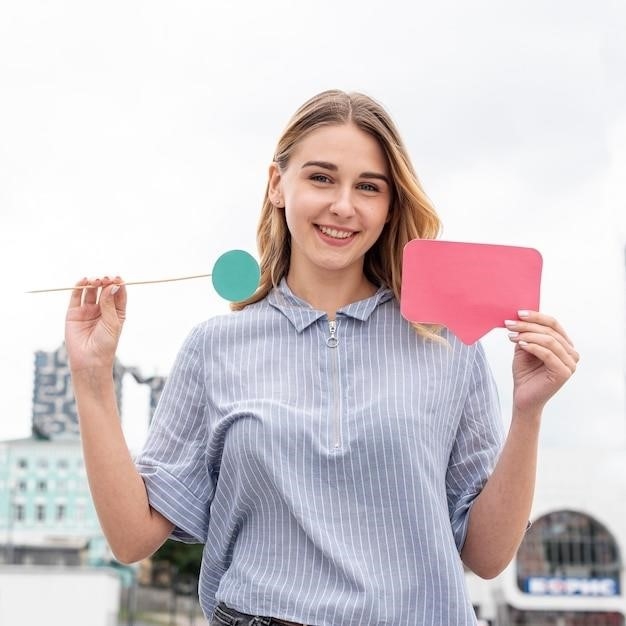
233,323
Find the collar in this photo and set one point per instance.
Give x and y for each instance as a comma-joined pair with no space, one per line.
301,314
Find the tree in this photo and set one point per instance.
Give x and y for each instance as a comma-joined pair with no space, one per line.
184,558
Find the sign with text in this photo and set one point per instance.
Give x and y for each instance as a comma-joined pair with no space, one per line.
565,586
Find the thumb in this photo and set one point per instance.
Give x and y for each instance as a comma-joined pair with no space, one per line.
113,304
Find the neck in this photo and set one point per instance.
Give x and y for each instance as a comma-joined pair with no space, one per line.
330,291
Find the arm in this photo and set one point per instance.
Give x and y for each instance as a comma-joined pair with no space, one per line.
544,360
93,326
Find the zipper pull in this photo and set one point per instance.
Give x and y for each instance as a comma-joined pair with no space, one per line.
332,341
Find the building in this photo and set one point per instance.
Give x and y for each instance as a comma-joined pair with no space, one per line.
46,513
569,570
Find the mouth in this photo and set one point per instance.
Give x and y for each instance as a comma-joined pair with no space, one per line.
335,233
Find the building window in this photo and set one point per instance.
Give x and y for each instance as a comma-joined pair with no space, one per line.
19,512
566,553
60,512
62,464
22,486
42,486
22,463
42,463
40,512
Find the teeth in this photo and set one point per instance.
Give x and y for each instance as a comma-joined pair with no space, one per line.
337,234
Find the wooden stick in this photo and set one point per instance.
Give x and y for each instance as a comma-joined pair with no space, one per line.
134,282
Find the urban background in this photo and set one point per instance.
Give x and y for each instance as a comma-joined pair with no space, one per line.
135,139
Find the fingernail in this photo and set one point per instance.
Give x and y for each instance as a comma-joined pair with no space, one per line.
513,335
510,322
114,289
522,313
522,343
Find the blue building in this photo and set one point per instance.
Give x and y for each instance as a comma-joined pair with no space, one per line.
46,512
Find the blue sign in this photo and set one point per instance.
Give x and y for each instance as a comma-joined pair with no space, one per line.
565,586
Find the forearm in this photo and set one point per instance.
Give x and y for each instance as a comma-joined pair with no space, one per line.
131,527
499,515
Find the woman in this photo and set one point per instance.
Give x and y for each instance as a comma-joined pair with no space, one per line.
339,464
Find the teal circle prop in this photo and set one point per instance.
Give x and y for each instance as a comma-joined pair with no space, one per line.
236,275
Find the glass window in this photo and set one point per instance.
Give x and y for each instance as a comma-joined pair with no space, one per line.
19,512
42,463
62,464
563,547
22,463
60,513
42,486
40,512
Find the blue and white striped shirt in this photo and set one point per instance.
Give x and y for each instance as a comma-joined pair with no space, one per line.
330,484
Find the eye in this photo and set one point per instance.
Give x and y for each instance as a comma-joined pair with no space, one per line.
320,178
367,187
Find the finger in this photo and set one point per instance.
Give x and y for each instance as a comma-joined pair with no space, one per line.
559,370
540,323
518,330
544,320
120,297
113,302
551,344
77,293
90,296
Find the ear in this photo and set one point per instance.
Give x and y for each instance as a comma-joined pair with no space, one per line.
274,187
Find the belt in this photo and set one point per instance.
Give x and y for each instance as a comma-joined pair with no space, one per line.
236,618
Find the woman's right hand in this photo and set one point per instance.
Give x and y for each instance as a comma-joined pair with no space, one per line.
93,323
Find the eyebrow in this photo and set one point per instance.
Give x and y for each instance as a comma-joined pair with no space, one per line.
333,168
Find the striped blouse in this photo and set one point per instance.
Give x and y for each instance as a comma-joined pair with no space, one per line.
327,466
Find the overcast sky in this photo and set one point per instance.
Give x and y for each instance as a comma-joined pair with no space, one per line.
135,139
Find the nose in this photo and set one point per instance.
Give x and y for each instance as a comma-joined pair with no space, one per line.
343,203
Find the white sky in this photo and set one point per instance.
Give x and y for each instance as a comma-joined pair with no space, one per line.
135,137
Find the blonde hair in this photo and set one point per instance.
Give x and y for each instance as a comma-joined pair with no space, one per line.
411,214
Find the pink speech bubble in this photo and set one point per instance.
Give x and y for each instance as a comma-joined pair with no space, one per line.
468,287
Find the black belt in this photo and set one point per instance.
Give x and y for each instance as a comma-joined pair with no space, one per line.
231,617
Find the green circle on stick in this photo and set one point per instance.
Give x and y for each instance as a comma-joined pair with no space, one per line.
236,275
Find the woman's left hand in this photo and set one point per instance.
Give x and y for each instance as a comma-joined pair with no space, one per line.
543,361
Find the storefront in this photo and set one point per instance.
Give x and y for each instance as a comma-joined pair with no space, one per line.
567,573
566,555
569,568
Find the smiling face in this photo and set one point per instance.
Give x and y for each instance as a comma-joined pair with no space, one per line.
336,194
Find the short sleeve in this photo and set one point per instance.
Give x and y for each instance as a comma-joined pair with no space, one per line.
478,442
173,462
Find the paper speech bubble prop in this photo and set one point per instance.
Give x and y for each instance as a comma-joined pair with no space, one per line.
468,287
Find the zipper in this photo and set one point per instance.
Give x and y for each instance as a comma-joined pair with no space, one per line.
332,342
